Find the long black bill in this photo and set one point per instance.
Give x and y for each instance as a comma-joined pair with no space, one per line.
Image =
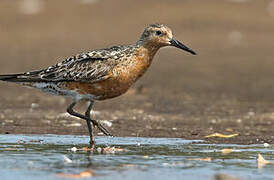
180,45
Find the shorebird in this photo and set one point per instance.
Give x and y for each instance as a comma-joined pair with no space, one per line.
99,74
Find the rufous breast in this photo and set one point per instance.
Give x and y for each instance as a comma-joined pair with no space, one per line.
119,80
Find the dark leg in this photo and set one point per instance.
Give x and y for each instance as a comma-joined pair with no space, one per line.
96,123
91,132
73,113
88,119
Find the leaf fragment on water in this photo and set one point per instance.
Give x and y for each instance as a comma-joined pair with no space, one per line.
221,135
84,174
111,150
107,150
11,149
226,151
261,162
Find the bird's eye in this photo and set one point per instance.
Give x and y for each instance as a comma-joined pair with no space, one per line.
158,33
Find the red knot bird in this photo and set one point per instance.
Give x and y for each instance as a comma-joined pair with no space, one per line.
99,74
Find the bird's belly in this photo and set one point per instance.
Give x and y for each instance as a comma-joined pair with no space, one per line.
58,90
99,91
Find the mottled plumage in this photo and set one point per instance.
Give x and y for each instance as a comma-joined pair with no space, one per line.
100,74
89,67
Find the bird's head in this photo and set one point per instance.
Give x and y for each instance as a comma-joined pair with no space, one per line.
159,35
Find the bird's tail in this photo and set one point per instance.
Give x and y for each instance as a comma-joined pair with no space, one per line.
11,77
21,77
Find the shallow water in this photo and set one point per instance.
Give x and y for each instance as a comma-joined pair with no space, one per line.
43,157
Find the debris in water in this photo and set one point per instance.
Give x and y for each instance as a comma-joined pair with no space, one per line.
99,150
67,160
84,174
11,149
129,165
261,162
112,150
266,145
74,149
19,141
107,150
226,151
36,141
221,135
208,159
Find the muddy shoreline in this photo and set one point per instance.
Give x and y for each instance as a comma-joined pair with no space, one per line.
142,115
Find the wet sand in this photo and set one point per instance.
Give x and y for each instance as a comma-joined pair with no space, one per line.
227,88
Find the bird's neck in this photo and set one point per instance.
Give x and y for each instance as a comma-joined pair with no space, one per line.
147,50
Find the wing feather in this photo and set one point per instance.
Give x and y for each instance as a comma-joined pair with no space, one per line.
88,67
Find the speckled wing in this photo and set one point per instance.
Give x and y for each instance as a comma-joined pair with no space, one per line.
90,67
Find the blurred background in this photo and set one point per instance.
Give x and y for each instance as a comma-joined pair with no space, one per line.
233,38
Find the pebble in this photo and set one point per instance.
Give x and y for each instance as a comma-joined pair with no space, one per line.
73,149
213,121
74,125
34,105
239,120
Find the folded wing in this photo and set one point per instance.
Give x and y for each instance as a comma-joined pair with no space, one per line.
90,67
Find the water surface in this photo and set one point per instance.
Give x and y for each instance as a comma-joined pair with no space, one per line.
44,156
